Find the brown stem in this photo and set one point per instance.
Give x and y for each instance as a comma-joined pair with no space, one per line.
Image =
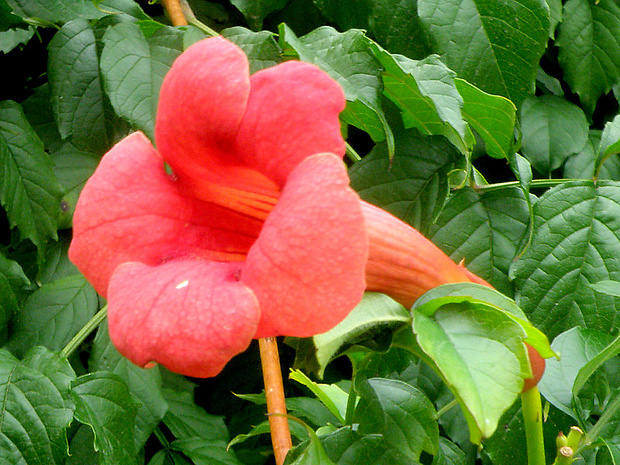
276,403
173,8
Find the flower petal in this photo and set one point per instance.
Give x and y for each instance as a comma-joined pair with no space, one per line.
131,210
307,268
190,316
292,114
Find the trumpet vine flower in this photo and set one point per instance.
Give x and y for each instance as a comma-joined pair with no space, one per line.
251,230
240,223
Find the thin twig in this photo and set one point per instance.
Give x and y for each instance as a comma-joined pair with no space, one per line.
276,403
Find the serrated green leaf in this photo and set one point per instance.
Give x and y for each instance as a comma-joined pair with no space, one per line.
104,403
35,410
314,452
479,294
347,58
401,413
133,68
346,447
609,143
332,396
13,282
589,48
484,48
492,116
76,91
185,419
261,48
425,93
373,319
255,11
53,315
577,347
29,191
395,24
206,452
478,351
56,11
414,184
13,38
484,229
575,242
553,129
144,385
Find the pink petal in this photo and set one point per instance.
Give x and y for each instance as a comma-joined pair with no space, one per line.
201,104
190,316
131,210
292,114
307,268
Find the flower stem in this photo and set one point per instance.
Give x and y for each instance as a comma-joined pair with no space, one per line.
276,403
83,333
531,407
173,8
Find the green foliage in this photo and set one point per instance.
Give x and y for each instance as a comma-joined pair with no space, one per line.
490,126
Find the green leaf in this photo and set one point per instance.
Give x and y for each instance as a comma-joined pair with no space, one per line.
255,11
477,40
73,167
492,116
133,69
35,409
103,402
347,14
577,347
13,38
413,185
346,447
53,315
144,385
401,413
76,90
553,129
375,317
395,24
610,142
29,191
449,454
589,48
575,242
314,453
261,47
13,282
56,11
425,93
478,351
185,419
332,396
7,18
483,228
206,452
347,58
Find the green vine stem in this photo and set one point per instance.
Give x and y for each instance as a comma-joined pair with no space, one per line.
83,333
531,407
